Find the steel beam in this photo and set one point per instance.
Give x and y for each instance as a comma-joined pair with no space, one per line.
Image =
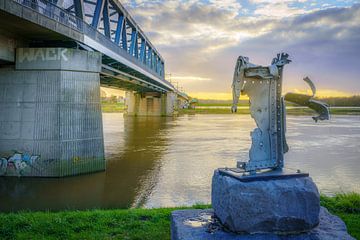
124,36
133,42
97,13
142,50
106,19
79,8
119,28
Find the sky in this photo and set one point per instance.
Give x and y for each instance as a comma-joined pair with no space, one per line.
201,40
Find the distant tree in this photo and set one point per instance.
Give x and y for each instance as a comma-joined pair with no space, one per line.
353,101
113,99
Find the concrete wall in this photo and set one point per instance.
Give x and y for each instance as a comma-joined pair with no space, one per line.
150,104
50,114
7,48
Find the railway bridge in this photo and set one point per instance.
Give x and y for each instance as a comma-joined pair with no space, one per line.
54,56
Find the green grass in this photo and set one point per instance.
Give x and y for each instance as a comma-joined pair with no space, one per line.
132,223
109,107
347,207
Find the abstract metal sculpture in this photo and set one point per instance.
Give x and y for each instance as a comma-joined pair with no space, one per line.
263,86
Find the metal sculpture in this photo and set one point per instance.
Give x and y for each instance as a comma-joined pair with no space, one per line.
263,86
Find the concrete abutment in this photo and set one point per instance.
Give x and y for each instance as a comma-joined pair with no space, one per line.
50,114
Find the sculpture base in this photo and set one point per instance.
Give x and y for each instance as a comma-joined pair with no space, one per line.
264,175
275,202
202,224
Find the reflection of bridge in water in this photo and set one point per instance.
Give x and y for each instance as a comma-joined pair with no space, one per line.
136,145
53,57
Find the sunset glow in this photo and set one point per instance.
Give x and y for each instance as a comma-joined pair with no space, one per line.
201,40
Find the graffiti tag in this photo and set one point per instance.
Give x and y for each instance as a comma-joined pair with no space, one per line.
43,54
17,163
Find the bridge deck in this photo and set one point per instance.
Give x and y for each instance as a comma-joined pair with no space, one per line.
34,24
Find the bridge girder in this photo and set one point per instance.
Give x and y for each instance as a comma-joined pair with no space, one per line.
111,18
106,27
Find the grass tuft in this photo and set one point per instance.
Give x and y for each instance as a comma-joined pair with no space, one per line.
346,203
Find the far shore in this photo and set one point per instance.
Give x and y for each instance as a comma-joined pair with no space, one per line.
108,107
289,110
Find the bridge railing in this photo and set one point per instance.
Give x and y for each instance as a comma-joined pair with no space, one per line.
54,12
66,18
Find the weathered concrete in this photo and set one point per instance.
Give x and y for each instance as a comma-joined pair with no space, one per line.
281,205
50,120
202,224
7,48
150,104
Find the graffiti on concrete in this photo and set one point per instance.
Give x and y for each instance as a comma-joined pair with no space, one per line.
42,54
17,163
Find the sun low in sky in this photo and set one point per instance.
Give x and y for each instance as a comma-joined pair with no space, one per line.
201,40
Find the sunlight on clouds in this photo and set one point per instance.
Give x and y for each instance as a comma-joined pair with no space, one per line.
321,93
112,91
189,78
277,10
211,95
202,39
325,93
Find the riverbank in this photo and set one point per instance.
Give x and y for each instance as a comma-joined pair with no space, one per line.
289,111
110,107
133,223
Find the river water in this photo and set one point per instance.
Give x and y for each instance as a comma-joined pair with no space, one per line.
157,162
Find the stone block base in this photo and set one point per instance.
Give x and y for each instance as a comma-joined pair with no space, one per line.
202,224
284,205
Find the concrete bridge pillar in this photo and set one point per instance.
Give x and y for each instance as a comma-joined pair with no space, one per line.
150,104
50,114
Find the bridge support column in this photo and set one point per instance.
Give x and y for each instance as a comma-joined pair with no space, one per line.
50,114
150,104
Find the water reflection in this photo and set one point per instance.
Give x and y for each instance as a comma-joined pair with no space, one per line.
156,162
134,148
132,167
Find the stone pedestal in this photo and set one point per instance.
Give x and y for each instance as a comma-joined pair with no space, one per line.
273,206
50,114
283,205
197,224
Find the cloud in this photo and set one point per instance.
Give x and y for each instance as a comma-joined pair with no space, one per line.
278,10
188,78
204,38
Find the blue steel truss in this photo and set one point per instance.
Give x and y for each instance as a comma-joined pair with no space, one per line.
111,19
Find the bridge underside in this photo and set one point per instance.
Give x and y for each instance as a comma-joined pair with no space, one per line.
50,113
50,77
19,32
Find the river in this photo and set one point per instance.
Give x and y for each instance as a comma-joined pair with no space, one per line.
158,162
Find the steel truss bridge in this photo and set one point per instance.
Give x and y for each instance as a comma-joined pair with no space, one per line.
130,61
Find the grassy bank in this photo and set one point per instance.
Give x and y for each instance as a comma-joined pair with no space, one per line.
347,207
290,111
132,224
110,107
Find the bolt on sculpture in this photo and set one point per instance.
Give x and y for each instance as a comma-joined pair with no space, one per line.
263,86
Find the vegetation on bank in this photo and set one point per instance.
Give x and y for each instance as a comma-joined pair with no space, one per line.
347,207
109,107
112,107
132,223
352,101
349,106
289,111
